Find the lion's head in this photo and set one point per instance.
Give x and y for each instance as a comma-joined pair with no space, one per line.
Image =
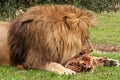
50,33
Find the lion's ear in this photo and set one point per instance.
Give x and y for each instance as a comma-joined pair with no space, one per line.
70,19
88,18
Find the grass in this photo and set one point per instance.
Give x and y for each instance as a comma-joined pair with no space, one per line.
108,31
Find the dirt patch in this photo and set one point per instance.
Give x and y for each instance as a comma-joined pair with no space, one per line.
106,47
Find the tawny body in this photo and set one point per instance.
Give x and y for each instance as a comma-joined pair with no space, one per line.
4,49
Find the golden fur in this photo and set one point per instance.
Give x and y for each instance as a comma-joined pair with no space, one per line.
47,36
4,50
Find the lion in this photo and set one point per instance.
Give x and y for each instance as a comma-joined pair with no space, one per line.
46,37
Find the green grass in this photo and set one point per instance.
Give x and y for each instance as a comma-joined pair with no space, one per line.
108,31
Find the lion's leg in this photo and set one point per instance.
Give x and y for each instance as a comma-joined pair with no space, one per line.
51,66
33,61
58,68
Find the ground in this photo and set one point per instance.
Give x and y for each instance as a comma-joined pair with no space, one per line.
106,37
106,47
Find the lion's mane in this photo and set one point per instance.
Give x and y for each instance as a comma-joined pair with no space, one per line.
48,33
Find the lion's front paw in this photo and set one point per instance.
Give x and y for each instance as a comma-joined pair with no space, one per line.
58,68
65,71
